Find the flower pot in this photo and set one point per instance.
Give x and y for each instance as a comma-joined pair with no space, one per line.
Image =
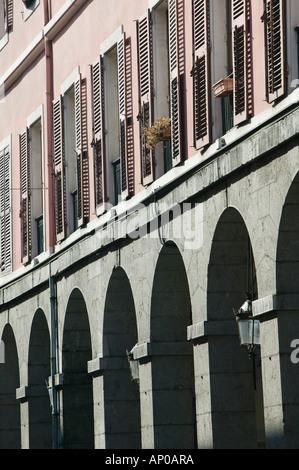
166,135
223,87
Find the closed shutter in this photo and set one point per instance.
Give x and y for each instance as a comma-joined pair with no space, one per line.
25,197
240,57
201,73
122,101
144,37
59,170
82,163
175,93
275,48
99,135
5,212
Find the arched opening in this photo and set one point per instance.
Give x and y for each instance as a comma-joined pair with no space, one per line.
78,421
38,375
287,260
121,393
172,355
235,381
10,425
286,324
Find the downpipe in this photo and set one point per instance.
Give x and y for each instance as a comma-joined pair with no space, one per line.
53,352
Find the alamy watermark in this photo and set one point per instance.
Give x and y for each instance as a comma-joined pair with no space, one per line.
295,353
182,223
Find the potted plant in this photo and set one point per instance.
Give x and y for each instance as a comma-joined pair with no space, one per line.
159,131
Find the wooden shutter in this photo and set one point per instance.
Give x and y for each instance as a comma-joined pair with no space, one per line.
25,197
5,211
240,66
122,102
59,170
275,48
144,37
201,74
82,163
99,135
175,94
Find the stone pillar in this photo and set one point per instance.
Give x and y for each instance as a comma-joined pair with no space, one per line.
117,404
225,399
166,388
22,396
141,354
279,323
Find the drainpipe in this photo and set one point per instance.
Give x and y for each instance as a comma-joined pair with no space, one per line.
297,31
49,98
52,284
53,352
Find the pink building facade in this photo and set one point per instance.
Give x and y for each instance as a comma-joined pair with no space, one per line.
81,84
36,64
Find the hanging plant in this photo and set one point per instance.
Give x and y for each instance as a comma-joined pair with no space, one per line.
159,131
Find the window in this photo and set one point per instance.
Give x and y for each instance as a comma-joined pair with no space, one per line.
221,69
71,181
3,21
31,210
159,84
110,123
5,210
161,81
5,6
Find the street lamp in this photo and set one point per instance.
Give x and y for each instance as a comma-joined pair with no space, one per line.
249,328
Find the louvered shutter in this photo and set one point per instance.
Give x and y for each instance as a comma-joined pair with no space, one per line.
122,101
59,170
275,48
99,135
5,212
175,95
201,74
82,164
145,90
25,197
240,68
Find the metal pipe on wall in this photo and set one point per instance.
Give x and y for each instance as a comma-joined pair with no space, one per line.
51,233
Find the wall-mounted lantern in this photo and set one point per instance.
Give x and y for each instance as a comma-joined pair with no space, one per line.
249,327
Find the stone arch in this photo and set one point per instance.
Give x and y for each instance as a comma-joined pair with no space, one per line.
39,370
10,424
77,392
287,256
235,382
171,354
286,323
121,393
